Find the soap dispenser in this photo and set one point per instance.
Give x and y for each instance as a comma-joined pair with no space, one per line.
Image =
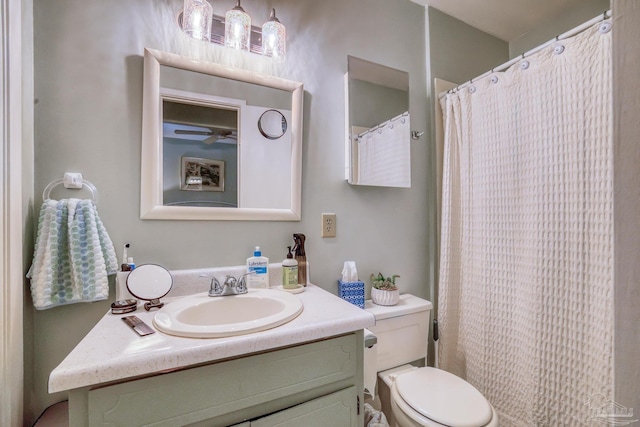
301,257
289,271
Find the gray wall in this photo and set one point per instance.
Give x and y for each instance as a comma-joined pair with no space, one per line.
88,91
458,51
562,22
372,104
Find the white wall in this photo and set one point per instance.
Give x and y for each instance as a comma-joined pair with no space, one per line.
88,98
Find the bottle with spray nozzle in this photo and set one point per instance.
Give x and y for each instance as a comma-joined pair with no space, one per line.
301,257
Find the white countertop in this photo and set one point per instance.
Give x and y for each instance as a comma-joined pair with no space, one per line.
112,351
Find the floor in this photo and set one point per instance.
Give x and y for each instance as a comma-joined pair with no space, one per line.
56,415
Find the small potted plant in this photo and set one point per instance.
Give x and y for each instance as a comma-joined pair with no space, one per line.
384,290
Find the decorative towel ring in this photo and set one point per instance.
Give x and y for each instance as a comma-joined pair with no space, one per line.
71,180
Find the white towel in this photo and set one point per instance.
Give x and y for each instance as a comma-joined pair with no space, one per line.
73,255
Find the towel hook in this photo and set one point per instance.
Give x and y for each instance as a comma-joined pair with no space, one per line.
71,180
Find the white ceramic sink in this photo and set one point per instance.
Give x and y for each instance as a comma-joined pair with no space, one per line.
202,316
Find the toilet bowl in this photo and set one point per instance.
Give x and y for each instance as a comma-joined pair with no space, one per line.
431,397
420,396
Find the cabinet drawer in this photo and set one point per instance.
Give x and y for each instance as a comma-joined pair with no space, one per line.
202,393
335,409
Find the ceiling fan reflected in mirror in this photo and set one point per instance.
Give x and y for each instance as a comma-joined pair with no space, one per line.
212,136
205,134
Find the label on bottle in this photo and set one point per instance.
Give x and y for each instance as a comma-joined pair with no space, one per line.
258,269
290,277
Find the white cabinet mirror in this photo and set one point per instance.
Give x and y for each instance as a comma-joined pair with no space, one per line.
377,145
219,143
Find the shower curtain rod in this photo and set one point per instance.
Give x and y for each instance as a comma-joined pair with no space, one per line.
382,125
572,32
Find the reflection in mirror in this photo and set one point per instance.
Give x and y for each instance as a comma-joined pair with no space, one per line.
199,139
377,147
204,155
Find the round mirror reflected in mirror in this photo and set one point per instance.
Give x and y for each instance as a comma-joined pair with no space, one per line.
272,124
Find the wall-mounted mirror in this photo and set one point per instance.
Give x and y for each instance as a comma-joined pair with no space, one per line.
378,135
219,143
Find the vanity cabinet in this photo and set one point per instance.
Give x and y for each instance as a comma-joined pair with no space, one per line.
313,384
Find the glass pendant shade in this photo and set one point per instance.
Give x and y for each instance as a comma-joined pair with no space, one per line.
237,28
274,38
196,19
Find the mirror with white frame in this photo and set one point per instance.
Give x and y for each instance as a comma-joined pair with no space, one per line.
219,143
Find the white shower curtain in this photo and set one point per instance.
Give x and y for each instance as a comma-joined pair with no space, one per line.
526,270
384,154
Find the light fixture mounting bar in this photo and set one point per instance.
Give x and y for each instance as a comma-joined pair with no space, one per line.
217,33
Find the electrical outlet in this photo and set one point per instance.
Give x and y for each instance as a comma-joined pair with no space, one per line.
328,225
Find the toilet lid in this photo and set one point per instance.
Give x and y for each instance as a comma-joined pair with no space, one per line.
444,397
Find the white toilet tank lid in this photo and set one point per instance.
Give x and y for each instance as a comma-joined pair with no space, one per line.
408,304
444,397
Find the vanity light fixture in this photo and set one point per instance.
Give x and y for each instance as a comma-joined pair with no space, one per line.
274,37
234,29
237,28
196,19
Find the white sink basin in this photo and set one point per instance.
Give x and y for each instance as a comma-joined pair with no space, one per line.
202,316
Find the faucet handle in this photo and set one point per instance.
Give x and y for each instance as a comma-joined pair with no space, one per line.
242,283
214,287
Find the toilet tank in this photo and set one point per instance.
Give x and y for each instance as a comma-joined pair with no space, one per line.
402,331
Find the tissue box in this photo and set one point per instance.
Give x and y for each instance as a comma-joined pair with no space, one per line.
352,292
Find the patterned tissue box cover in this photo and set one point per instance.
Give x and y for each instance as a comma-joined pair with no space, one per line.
352,292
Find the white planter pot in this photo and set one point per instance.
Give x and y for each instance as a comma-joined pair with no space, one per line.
384,297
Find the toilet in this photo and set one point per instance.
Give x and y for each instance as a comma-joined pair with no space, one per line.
411,395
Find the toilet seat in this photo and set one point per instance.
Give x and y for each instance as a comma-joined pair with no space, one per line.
433,397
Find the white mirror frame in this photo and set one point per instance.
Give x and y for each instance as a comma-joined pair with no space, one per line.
151,199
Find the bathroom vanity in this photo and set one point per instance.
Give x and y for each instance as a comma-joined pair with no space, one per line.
305,372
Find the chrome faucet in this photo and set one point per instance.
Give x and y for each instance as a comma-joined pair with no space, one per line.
231,285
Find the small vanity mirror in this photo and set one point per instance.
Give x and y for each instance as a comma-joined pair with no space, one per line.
377,146
272,124
219,143
150,282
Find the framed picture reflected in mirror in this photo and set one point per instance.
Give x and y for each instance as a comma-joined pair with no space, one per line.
199,174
